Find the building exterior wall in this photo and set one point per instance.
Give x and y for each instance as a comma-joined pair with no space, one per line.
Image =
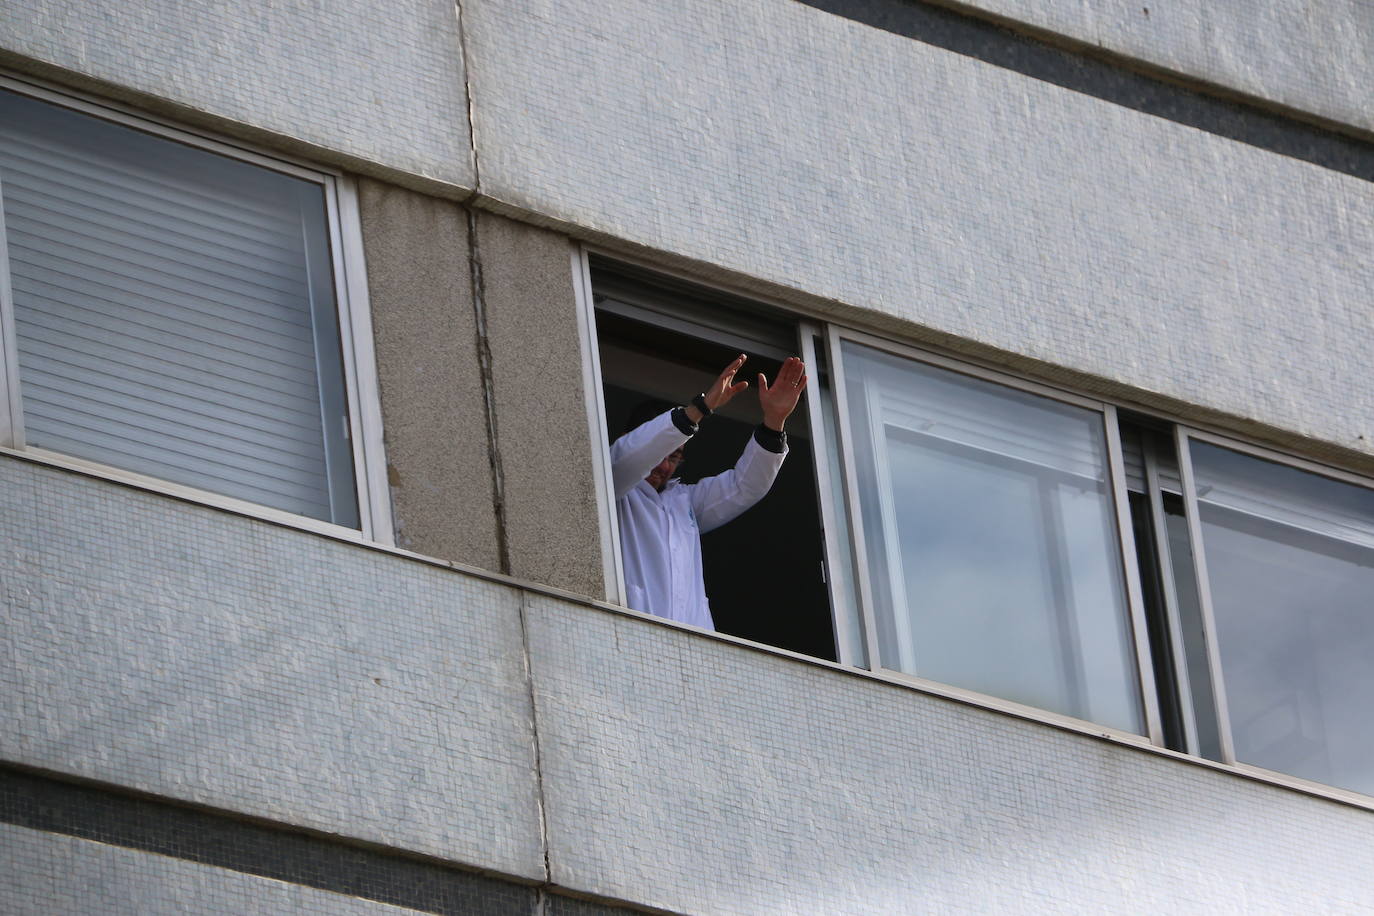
1278,52
373,86
703,777
211,659
546,466
460,704
439,455
59,874
944,196
228,662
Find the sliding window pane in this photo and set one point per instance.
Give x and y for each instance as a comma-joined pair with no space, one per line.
990,539
1290,560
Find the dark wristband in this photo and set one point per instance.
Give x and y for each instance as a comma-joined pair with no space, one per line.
699,402
684,425
773,440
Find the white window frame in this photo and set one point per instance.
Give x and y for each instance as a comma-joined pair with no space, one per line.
1125,543
354,317
612,566
1184,436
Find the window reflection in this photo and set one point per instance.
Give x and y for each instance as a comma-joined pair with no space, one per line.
991,539
1290,559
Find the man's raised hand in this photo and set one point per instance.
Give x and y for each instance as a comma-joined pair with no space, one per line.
725,386
779,401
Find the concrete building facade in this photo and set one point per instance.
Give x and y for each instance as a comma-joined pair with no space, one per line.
410,682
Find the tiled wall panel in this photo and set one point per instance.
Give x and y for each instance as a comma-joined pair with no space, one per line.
377,82
698,776
851,163
214,659
48,873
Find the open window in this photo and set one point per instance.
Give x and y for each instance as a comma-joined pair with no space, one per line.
664,340
1010,541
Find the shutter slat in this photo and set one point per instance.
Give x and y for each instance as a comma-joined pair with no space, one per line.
62,282
248,470
160,266
198,406
177,347
236,209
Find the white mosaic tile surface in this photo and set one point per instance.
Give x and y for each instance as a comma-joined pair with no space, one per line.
801,148
380,82
702,777
215,659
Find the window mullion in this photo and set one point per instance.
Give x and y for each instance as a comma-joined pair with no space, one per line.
832,516
11,409
1135,596
1158,525
1209,630
849,468
612,564
362,410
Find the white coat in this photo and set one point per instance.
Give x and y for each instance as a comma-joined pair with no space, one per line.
660,532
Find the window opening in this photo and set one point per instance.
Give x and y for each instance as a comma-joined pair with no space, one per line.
664,340
1178,647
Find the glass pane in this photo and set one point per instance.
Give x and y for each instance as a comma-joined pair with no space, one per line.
1290,560
1191,629
991,539
174,312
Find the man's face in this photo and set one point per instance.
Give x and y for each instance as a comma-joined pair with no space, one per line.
659,476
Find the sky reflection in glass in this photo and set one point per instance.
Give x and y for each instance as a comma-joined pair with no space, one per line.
1290,559
991,539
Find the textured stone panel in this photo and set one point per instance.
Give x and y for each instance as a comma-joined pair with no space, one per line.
46,873
215,659
379,82
788,144
1317,58
433,413
551,518
700,776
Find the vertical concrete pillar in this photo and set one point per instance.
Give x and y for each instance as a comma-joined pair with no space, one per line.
545,447
433,414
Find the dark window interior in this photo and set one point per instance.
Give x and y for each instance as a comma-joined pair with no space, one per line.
667,341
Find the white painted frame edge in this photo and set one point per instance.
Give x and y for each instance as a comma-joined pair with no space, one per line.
1183,682
11,407
831,515
1204,589
360,361
1130,570
848,463
612,567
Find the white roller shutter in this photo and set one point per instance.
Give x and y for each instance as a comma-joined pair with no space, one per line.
174,312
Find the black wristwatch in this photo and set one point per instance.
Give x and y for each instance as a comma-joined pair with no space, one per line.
699,402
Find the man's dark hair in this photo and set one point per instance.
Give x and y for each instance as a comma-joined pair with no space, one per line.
646,411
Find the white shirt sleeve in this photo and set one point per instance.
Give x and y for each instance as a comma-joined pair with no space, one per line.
640,450
717,500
